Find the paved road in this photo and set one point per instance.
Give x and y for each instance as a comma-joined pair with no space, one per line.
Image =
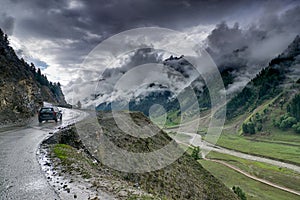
20,174
196,140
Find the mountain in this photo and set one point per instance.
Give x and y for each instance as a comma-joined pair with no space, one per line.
279,77
23,88
166,96
271,101
270,82
281,72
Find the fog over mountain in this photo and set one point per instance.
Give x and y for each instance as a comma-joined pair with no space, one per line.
57,35
250,49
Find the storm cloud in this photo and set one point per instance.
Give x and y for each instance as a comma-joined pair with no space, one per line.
59,34
7,23
248,50
256,44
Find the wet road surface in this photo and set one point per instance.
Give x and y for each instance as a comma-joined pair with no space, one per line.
20,173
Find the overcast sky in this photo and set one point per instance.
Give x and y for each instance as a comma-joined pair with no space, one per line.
56,35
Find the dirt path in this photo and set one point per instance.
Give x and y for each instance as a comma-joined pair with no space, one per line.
255,178
197,141
207,146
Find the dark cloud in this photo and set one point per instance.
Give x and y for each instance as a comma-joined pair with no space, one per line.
247,50
233,46
67,30
76,26
72,19
121,15
7,23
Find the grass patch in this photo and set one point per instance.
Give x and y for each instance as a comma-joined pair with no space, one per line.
254,190
62,151
73,160
280,176
278,151
271,142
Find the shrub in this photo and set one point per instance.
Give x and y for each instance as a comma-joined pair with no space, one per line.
237,190
249,127
288,122
195,153
259,127
296,127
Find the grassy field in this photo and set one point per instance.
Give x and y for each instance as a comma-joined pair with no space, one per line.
271,142
253,189
280,176
278,151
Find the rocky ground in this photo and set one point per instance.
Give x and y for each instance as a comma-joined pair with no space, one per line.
75,174
71,160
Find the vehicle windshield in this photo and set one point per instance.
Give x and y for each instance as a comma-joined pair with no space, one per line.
46,110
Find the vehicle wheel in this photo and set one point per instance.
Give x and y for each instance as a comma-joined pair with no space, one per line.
55,119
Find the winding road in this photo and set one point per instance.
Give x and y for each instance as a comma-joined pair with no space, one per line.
20,173
195,140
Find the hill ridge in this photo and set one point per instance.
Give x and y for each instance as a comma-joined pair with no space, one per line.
23,88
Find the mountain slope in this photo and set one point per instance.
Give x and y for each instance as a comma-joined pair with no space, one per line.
185,178
281,72
270,82
22,87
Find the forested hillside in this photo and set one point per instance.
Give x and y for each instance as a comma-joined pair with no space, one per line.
23,87
268,83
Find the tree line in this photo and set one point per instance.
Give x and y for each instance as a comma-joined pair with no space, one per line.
29,71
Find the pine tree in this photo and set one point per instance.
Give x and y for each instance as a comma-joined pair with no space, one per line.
32,68
39,72
6,39
1,33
